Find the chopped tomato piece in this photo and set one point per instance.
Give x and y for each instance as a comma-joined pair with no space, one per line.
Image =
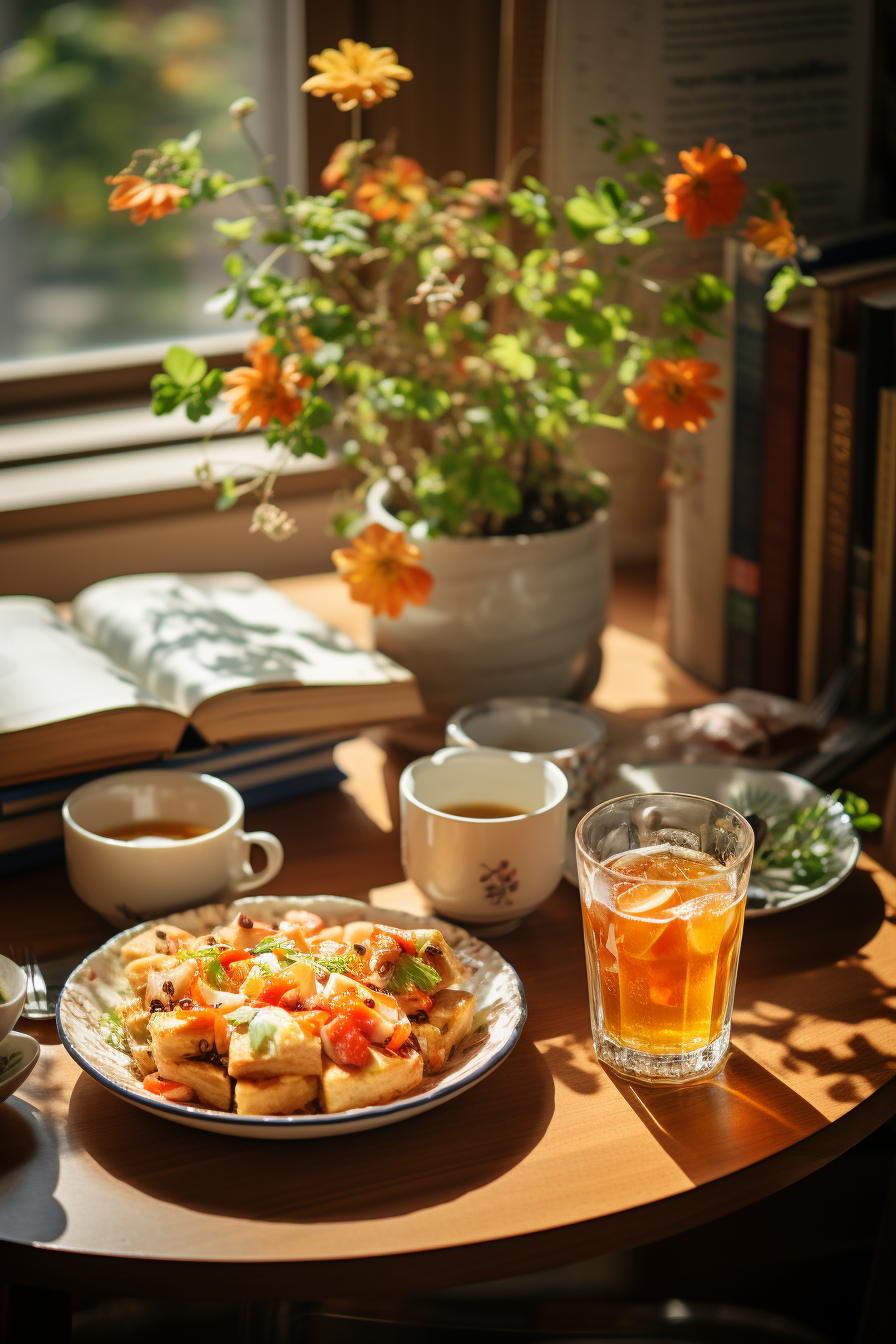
234,954
315,1018
276,986
162,1087
402,937
202,1017
399,1036
308,923
356,1010
344,1043
195,992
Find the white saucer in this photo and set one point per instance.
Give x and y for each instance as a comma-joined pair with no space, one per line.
18,1055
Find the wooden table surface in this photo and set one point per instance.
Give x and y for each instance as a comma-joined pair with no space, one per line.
547,1161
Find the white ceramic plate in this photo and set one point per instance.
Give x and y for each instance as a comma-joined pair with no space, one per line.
731,785
18,1055
95,986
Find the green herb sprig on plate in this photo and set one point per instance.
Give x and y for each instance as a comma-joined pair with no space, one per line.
800,845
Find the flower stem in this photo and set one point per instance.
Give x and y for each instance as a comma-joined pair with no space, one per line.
356,123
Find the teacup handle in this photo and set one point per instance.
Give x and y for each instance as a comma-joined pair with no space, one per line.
274,851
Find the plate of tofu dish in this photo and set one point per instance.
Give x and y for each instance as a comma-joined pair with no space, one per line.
291,1017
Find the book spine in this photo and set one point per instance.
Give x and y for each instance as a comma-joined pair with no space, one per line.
835,587
824,302
787,358
883,558
743,569
876,369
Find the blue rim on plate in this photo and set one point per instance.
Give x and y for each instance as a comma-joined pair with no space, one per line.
200,1116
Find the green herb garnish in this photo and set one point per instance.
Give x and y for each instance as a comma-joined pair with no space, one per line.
800,845
412,971
272,942
112,1029
209,959
240,1017
262,1033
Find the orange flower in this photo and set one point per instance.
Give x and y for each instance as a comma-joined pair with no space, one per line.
355,74
267,390
480,195
383,571
709,191
143,198
392,192
773,235
339,167
674,394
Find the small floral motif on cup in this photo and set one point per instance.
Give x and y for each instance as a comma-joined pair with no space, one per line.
499,882
8,1062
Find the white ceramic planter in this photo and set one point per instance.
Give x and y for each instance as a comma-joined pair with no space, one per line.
508,615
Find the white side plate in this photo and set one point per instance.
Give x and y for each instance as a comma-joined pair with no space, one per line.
96,985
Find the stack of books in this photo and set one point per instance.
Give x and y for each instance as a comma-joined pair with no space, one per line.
217,673
809,553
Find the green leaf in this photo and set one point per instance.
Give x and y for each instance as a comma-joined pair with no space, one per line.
112,1030
263,1033
786,280
227,494
709,293
508,354
234,265
235,230
240,1017
413,971
583,215
183,366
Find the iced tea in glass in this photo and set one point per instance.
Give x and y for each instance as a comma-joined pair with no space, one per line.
663,879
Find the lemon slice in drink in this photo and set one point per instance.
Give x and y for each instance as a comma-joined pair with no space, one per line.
648,898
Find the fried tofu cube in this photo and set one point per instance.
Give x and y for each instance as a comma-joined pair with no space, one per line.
450,1020
384,1077
294,1048
174,1037
137,971
274,1096
246,936
165,938
136,1028
437,954
209,1081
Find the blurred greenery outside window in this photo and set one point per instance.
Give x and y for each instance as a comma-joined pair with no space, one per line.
83,85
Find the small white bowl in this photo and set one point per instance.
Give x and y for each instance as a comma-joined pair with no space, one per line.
12,989
571,735
18,1055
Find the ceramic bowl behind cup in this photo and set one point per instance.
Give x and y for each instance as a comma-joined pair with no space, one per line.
12,995
486,872
562,731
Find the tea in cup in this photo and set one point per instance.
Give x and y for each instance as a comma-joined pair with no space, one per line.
483,833
147,842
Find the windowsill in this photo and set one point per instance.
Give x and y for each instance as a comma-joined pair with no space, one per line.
112,487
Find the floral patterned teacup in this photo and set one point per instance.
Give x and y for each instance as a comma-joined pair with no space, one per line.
483,871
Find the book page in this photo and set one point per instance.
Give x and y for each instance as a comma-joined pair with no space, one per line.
50,672
188,637
784,83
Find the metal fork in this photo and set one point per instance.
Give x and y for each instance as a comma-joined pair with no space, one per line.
37,1001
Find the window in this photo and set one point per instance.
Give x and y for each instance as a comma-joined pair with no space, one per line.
83,85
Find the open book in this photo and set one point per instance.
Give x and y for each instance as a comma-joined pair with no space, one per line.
146,654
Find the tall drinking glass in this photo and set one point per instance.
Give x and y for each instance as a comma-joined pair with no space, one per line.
663,879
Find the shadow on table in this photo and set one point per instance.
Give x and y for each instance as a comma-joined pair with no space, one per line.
421,1163
29,1174
738,1117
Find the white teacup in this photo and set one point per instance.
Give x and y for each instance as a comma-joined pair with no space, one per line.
128,881
484,872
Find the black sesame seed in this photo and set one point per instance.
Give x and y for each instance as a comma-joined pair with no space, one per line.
245,922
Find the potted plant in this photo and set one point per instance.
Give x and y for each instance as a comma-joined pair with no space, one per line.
459,334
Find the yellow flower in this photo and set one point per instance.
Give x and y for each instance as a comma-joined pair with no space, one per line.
355,74
383,570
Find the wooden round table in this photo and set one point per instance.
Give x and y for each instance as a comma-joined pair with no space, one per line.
547,1161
